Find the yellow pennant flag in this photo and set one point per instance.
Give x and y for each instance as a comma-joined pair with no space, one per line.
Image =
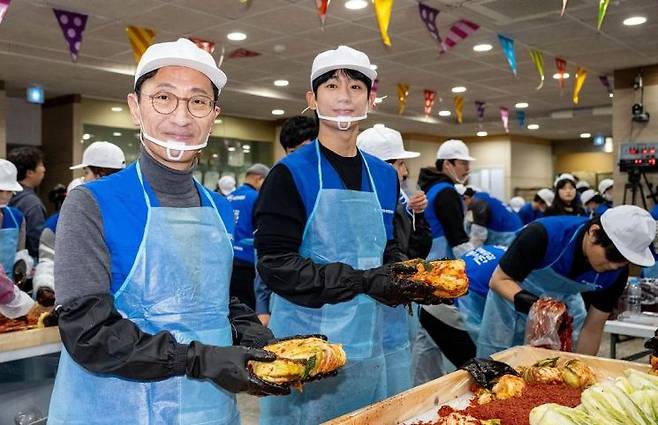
403,92
140,39
581,75
383,12
538,59
459,108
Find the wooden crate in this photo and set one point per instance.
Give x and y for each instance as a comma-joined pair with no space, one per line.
17,340
414,402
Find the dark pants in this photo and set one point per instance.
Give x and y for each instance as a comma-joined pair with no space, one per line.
242,283
455,344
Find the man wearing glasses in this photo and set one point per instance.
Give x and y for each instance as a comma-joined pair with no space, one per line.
142,270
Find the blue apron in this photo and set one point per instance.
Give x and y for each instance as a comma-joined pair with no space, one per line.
344,226
503,222
503,327
242,200
440,246
9,241
527,214
171,286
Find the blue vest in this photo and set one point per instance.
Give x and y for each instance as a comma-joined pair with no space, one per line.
430,215
502,218
480,265
123,210
560,231
527,214
302,165
11,223
51,222
654,212
598,211
242,201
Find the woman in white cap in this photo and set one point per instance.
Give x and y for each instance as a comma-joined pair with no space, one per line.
605,189
566,201
142,270
324,221
535,209
593,202
101,159
562,257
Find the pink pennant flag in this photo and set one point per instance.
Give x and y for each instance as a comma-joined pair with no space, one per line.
242,53
73,25
430,97
4,5
458,32
208,46
504,117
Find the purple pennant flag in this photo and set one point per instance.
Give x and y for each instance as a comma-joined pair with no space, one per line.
428,15
504,117
606,83
72,24
479,108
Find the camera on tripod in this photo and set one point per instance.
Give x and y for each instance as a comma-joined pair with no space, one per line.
638,159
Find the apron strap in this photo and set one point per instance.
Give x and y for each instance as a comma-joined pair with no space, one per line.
11,215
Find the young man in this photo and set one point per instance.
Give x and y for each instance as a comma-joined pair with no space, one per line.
491,222
31,171
535,209
562,257
142,270
593,202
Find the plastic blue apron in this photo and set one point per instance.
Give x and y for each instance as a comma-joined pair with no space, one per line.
503,327
9,243
344,226
175,284
503,224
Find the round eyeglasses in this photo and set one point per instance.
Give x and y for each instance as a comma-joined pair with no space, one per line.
166,103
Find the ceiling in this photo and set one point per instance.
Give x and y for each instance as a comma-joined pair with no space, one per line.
287,34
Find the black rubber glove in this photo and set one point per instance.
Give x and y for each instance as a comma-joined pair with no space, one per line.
523,300
227,367
52,319
652,344
45,296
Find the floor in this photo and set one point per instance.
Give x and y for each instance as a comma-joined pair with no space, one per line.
250,411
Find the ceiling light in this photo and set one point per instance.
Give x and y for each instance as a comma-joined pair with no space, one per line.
116,109
482,47
278,112
521,105
459,89
445,113
611,95
218,121
373,67
281,83
246,146
116,134
634,20
215,155
236,36
356,4
231,149
482,133
556,76
86,136
585,135
533,127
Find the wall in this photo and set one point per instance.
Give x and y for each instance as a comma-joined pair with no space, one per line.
532,164
23,121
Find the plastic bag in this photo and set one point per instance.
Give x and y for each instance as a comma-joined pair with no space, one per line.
549,325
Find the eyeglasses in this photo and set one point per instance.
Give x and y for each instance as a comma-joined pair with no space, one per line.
166,103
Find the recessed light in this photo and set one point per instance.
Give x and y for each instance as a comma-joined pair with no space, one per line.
482,133
86,136
521,105
236,36
557,75
585,135
459,89
356,4
533,127
445,113
278,112
611,95
116,109
281,83
218,121
215,155
116,134
634,20
373,67
231,149
482,47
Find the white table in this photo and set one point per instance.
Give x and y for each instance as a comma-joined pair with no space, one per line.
619,327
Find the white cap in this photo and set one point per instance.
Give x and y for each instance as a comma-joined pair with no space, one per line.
454,149
75,183
516,203
631,229
384,143
605,185
587,196
226,185
547,195
460,188
103,155
8,175
343,57
564,176
182,52
582,184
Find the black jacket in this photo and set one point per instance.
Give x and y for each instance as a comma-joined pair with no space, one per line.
414,243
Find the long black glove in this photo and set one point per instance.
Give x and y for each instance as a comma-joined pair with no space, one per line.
381,284
652,344
227,367
523,300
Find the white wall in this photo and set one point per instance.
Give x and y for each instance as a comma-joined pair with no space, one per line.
23,122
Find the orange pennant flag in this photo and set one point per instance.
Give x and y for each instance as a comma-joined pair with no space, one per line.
383,12
140,39
459,108
581,75
403,92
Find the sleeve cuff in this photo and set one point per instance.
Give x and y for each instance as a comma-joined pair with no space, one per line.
180,359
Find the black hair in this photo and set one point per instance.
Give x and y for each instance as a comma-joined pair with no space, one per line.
296,130
539,199
602,239
469,192
597,198
439,164
25,158
350,73
103,171
57,195
151,74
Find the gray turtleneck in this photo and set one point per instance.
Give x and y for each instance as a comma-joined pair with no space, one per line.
83,265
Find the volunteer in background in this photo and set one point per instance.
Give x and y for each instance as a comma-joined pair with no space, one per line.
581,186
516,203
562,257
565,202
225,185
142,270
535,209
242,201
12,224
490,221
593,202
606,187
